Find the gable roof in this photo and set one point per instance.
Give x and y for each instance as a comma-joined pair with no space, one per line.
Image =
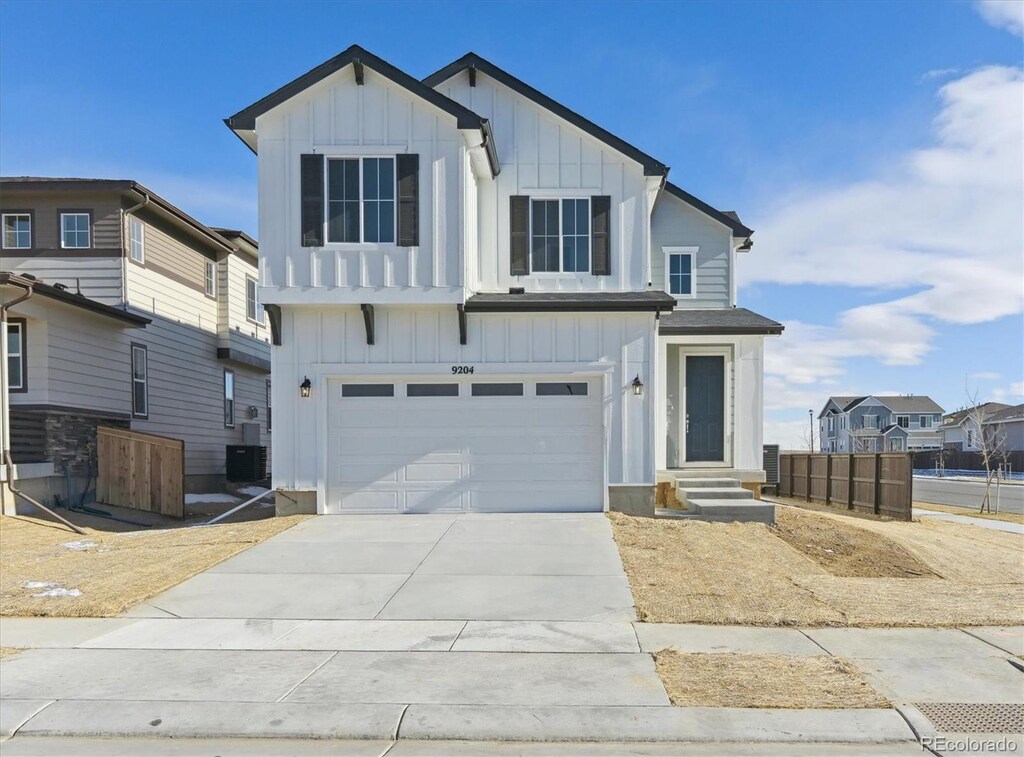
987,409
913,403
652,166
1007,415
243,123
843,403
728,217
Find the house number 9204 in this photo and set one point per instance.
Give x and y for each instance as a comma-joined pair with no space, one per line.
457,369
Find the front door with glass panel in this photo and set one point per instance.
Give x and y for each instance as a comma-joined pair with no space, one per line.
704,420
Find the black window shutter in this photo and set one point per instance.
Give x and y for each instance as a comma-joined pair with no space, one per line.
408,171
600,234
519,230
311,171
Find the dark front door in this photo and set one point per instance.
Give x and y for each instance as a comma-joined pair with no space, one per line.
705,408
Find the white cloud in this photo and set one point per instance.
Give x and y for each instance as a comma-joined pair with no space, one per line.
945,223
1012,395
1003,14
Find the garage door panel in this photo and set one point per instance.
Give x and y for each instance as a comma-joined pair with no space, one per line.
488,454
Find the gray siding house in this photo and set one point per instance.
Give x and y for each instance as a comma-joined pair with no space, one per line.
140,317
879,424
960,430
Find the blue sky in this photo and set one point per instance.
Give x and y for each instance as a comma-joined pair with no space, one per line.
867,143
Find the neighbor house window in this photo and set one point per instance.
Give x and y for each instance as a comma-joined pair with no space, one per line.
896,445
560,235
229,398
679,267
903,421
926,421
870,421
138,240
74,231
831,423
211,279
17,365
269,414
17,231
140,381
253,311
361,200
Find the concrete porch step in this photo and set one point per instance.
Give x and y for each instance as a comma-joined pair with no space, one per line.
733,510
715,492
665,512
706,483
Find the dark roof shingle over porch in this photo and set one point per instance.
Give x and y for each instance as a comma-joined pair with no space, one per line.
716,321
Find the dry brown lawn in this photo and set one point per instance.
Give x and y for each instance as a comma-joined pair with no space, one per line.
972,512
48,570
921,574
763,680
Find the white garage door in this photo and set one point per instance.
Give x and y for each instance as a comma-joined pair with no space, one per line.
428,445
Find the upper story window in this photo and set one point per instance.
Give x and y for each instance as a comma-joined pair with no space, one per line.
17,365
17,233
361,200
137,243
253,311
229,398
210,276
679,271
560,235
903,421
74,231
831,423
870,421
140,381
926,421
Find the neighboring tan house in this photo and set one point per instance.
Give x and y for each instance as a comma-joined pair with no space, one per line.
484,301
960,430
140,317
879,424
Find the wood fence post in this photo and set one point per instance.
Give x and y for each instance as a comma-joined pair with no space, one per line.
878,482
849,484
828,479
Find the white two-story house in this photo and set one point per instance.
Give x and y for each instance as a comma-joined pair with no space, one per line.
482,301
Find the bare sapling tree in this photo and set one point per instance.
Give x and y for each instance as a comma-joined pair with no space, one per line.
990,441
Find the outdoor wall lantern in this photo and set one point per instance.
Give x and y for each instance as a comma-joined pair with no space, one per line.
638,386
305,388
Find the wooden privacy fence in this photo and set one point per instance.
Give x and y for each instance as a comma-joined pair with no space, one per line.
874,483
141,471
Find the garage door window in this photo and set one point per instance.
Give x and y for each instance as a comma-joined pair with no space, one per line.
497,390
367,390
562,389
432,390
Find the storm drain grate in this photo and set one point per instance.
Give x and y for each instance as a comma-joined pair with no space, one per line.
963,717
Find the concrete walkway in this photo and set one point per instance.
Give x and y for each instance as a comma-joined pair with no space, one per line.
482,628
993,525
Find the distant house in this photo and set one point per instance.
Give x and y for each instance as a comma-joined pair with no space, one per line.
138,316
880,424
960,430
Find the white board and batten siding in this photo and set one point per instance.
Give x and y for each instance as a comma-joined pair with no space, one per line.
421,345
336,117
542,156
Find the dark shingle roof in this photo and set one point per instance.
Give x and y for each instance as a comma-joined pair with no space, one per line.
913,403
62,294
717,321
1014,413
536,302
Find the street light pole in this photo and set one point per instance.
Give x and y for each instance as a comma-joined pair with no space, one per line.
810,415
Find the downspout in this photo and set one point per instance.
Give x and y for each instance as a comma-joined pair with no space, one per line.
6,414
124,258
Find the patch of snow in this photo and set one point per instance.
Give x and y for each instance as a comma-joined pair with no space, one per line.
40,585
60,591
212,498
252,491
79,546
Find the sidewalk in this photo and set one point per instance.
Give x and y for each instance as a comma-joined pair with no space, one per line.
994,525
525,681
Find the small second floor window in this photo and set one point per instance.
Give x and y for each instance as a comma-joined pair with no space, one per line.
229,399
137,243
361,200
926,421
680,274
211,279
560,235
140,381
870,421
17,231
903,421
74,231
253,311
17,366
831,423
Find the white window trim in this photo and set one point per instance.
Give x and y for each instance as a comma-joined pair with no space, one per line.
88,231
257,309
361,244
925,421
903,415
229,416
590,236
138,349
3,230
210,278
132,221
864,421
20,354
692,252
